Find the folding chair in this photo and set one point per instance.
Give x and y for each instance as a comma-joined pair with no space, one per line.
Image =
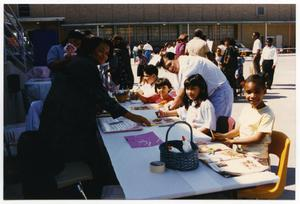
73,174
225,124
280,147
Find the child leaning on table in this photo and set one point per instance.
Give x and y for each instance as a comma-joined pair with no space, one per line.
164,92
252,134
198,111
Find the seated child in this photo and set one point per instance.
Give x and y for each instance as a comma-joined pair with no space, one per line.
164,93
198,111
150,75
252,134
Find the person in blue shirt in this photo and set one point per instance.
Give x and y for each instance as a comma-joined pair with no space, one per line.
58,55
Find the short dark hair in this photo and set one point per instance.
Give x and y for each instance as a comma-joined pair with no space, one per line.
168,55
257,34
195,80
198,33
89,45
151,69
270,40
257,79
160,82
76,34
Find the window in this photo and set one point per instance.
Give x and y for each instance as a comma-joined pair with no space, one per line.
260,11
24,10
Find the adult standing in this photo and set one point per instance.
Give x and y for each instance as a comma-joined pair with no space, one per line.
58,55
256,49
68,126
229,63
181,44
148,49
197,46
219,90
268,62
120,65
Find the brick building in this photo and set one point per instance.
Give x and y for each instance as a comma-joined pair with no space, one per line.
164,22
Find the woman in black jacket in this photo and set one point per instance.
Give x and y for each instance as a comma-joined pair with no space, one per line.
68,129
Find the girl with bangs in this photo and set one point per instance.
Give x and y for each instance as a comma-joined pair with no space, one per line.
198,111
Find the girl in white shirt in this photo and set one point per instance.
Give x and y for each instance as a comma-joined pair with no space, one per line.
198,111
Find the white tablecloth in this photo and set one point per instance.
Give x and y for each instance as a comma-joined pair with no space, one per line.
37,89
133,172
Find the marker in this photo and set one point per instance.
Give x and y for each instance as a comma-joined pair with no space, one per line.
212,135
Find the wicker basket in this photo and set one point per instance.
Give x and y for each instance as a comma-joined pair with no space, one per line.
179,161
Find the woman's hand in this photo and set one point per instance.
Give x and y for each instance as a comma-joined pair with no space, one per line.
137,118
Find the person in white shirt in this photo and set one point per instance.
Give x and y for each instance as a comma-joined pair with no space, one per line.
148,49
268,62
197,46
198,111
256,52
150,76
219,91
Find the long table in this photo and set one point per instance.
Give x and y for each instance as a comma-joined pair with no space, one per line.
131,166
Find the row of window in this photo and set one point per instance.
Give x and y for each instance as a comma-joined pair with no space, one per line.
24,10
158,34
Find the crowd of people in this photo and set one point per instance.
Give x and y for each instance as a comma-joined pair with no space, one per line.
85,68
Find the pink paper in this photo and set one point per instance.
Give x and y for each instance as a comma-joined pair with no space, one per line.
144,140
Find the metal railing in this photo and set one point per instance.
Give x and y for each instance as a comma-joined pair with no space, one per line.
16,48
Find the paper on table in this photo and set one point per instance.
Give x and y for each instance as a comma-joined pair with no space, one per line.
164,121
143,140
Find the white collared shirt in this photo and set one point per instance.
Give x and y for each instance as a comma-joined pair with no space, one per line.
190,65
256,46
269,53
202,116
197,47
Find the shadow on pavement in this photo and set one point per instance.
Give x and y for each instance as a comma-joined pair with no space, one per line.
284,88
273,97
284,85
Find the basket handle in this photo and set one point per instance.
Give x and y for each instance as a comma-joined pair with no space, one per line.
183,122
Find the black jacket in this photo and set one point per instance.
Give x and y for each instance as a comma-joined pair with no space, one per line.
68,122
120,68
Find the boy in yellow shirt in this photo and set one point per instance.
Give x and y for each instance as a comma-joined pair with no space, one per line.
252,134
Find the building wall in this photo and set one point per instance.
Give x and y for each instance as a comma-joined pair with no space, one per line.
216,20
288,32
115,13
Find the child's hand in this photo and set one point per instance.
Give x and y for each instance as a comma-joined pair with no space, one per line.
161,114
219,136
228,142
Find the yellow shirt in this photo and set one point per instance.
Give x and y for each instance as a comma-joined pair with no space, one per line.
252,121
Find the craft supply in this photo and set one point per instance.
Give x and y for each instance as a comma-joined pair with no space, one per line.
173,149
157,167
186,146
212,135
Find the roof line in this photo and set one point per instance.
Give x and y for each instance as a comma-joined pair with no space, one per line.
35,19
180,22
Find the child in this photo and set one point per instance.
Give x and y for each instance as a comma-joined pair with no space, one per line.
198,111
150,75
164,93
252,134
